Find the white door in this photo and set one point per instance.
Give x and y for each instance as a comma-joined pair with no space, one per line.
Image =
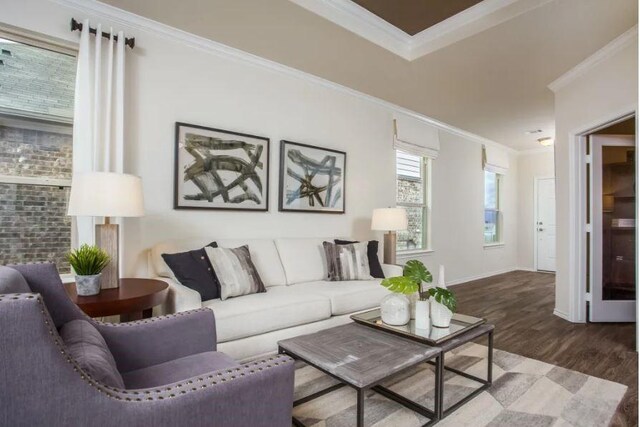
545,231
613,223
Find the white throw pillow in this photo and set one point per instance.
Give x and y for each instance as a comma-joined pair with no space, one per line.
235,271
347,262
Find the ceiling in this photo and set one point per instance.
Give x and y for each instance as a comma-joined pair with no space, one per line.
493,83
412,16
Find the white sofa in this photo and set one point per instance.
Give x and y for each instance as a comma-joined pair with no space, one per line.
298,299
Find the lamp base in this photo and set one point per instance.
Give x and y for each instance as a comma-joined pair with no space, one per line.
107,239
390,247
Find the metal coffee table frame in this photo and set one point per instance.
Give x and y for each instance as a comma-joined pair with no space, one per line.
433,415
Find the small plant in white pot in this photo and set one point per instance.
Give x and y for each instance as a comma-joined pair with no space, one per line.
87,263
443,305
396,308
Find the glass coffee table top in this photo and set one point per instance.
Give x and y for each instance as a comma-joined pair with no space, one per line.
459,323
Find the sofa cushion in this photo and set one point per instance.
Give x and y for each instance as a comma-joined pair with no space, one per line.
276,309
177,370
346,297
193,270
263,253
235,271
89,349
303,259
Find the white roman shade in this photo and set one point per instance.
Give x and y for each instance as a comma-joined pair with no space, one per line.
495,160
415,136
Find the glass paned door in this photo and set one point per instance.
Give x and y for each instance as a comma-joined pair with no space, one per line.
613,208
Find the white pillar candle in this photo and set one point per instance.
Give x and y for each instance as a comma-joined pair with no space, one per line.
441,282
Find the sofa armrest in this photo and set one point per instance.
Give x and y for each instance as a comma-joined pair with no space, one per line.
180,298
144,343
391,270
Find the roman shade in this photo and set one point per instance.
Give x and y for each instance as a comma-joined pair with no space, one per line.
495,160
415,136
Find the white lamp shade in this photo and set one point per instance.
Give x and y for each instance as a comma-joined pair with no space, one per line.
106,194
389,219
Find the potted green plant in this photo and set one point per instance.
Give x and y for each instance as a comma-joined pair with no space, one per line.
443,305
396,308
87,263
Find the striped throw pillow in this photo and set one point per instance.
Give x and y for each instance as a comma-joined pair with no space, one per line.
235,271
347,262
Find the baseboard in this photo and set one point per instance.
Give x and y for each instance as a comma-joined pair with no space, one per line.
561,314
481,276
526,269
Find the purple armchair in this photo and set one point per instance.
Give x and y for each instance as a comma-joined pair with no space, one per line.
171,371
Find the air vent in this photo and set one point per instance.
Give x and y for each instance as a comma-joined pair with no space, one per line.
533,132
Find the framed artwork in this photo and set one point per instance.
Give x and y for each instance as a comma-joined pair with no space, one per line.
219,169
311,179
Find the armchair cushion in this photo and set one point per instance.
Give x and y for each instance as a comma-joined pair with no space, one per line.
12,282
88,348
177,370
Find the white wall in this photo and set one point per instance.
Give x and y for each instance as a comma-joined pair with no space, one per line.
169,82
530,166
457,225
602,93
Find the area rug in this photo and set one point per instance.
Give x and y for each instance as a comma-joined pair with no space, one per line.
525,392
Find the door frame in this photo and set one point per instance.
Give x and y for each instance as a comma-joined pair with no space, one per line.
536,180
577,213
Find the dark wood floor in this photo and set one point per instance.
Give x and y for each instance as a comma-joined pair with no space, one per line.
521,304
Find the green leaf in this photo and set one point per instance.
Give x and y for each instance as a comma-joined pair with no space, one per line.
400,284
445,297
417,272
88,260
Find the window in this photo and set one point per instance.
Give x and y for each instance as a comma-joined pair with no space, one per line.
412,193
36,111
492,208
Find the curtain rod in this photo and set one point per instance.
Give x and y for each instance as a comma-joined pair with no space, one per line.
77,26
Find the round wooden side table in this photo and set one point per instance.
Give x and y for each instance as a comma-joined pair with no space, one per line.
133,300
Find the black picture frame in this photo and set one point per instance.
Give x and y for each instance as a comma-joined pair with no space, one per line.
179,200
284,160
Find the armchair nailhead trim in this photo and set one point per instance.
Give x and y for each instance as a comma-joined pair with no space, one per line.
150,395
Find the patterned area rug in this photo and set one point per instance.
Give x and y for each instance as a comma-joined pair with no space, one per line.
525,392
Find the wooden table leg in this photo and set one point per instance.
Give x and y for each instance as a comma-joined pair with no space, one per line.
360,408
147,314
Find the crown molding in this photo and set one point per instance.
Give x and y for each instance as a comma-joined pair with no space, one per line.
539,150
141,24
613,47
469,22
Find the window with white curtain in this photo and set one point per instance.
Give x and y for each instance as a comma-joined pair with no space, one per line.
36,114
413,194
492,207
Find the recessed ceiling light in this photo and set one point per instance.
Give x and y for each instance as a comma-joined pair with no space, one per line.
546,142
534,131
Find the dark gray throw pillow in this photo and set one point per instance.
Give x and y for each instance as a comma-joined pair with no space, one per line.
87,347
375,269
193,270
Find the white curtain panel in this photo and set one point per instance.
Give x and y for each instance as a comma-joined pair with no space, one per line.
98,123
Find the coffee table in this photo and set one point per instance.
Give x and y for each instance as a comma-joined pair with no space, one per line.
362,358
462,330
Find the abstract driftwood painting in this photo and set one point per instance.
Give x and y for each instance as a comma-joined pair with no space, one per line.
311,178
218,169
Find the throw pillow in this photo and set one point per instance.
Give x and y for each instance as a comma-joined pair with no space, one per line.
375,268
235,271
89,349
347,262
193,270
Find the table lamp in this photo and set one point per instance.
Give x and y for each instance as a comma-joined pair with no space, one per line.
389,220
106,194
